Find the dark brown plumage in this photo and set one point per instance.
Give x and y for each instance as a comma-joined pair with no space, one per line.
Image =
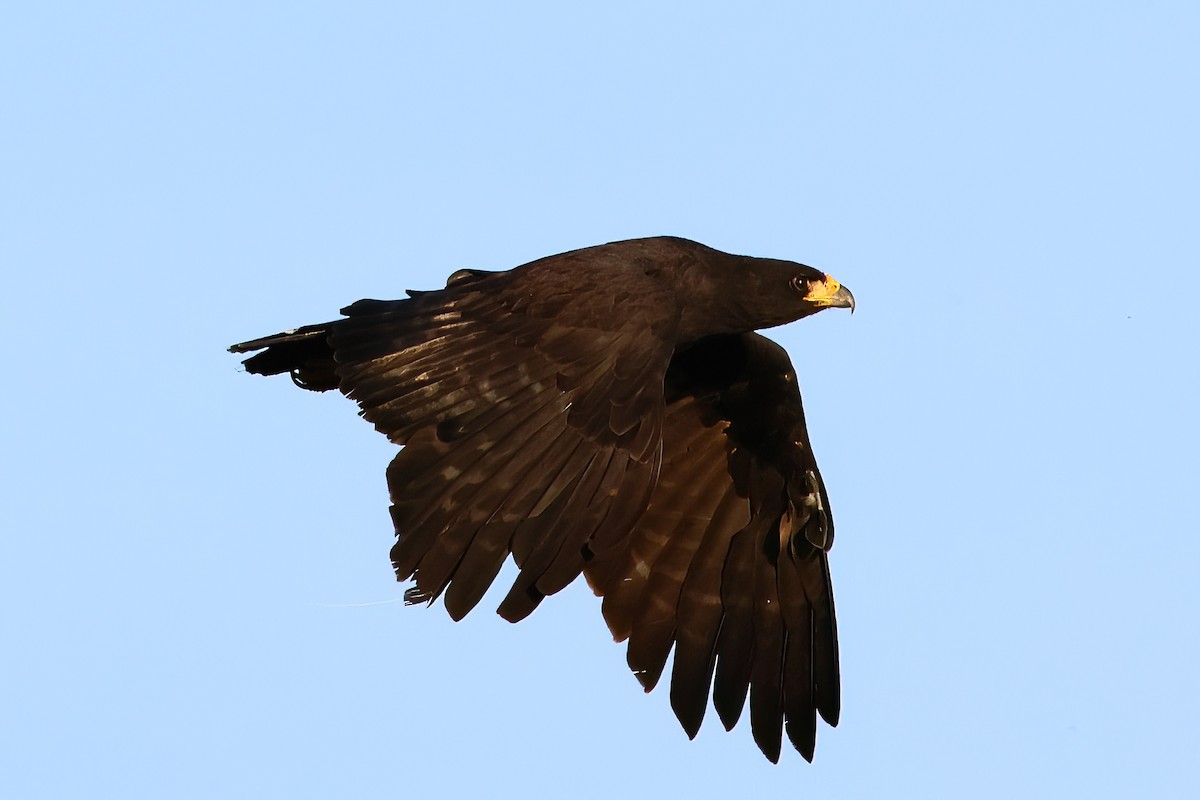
611,411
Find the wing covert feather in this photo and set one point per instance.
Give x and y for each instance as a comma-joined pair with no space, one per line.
528,427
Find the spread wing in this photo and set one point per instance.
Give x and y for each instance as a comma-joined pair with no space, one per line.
728,564
530,407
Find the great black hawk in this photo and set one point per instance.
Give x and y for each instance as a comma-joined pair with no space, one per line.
611,411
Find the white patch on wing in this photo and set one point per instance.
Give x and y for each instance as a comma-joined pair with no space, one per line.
814,487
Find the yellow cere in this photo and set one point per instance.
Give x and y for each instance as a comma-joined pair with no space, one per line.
824,290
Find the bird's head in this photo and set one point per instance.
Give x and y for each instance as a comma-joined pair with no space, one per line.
819,290
774,292
721,293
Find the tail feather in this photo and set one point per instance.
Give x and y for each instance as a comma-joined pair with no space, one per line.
303,352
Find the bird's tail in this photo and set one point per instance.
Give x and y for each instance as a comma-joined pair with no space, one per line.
304,353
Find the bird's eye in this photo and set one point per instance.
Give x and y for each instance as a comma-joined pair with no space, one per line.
800,284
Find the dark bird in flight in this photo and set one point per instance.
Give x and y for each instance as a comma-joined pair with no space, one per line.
611,411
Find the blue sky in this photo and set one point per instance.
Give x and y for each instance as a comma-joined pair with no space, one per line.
197,599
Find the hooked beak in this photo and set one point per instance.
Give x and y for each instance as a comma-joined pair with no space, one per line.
829,293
